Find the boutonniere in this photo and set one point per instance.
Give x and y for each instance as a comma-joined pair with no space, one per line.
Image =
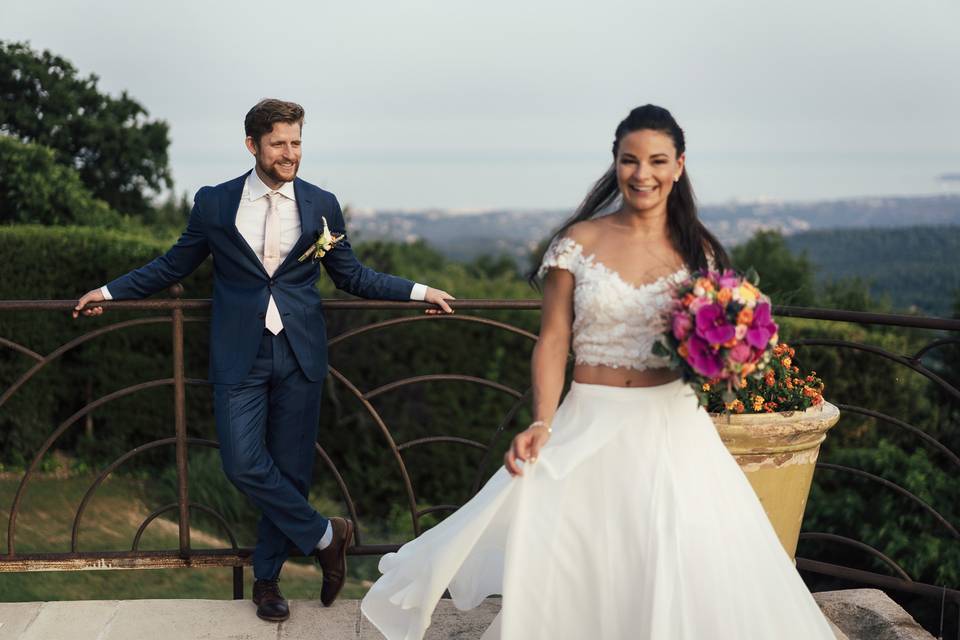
325,242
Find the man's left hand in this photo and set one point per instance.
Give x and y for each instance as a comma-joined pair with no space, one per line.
439,298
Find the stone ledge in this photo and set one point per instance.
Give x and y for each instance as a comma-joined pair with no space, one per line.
869,614
856,614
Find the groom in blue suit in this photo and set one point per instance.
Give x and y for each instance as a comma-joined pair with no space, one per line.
268,343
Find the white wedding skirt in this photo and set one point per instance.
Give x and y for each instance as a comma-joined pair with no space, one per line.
635,523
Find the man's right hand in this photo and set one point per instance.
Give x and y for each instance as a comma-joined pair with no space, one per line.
89,297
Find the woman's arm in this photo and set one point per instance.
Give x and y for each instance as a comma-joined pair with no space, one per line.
548,364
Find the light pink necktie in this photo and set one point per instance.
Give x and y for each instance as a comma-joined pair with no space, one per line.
271,256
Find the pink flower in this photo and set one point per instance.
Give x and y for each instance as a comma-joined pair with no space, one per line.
729,279
712,324
762,328
698,303
741,352
682,324
703,359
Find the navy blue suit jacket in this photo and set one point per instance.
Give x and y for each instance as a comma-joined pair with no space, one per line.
242,288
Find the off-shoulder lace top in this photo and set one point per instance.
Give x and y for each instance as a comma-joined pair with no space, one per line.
615,323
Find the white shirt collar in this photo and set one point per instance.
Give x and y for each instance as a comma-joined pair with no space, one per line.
257,189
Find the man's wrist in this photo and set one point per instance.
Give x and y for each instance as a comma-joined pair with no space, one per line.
105,293
419,292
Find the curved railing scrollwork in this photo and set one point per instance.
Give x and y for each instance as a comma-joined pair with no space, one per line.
942,333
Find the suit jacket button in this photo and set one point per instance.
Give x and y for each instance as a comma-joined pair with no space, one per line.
272,282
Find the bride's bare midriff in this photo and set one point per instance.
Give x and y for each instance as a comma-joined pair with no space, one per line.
620,377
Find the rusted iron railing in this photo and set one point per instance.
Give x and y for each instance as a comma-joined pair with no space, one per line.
174,312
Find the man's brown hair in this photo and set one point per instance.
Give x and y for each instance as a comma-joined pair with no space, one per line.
269,111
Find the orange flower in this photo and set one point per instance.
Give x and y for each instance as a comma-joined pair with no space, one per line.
745,316
757,403
724,296
683,350
748,368
736,406
769,378
705,284
731,343
688,299
787,362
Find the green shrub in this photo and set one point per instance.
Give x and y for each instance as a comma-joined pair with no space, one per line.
62,263
34,188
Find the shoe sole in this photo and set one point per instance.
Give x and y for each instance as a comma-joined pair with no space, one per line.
274,619
343,559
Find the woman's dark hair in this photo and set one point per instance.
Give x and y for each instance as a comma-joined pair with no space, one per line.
687,234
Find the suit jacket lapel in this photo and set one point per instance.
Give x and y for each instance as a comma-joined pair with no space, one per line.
309,227
229,204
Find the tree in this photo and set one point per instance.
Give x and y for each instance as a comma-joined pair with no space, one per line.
851,294
785,277
119,154
35,188
171,214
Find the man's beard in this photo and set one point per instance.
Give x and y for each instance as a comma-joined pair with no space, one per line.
273,173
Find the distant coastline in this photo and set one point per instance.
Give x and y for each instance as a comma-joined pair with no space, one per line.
516,232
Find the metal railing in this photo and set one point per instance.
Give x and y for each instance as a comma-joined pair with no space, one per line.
173,311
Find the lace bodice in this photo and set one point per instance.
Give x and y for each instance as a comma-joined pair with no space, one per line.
615,323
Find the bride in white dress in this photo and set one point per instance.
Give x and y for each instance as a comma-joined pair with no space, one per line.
618,514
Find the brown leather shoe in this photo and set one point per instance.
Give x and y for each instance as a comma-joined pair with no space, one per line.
333,560
271,605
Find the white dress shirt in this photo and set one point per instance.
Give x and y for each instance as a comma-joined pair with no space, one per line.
251,219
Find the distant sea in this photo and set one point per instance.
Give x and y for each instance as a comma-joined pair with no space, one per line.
810,176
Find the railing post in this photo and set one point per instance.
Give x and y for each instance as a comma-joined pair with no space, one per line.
180,421
238,583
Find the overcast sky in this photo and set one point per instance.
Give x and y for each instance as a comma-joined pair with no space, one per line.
513,103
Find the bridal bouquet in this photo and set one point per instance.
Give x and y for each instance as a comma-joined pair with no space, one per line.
721,331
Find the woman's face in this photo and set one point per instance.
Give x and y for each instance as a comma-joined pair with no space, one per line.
647,167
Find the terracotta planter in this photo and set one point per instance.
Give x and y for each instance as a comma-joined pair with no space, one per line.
778,452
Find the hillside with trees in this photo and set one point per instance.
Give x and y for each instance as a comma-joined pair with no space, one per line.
915,269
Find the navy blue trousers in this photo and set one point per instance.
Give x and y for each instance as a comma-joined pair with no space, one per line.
267,426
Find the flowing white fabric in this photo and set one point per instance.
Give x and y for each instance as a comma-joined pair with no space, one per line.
635,523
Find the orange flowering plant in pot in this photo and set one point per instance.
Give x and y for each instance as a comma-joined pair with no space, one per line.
780,386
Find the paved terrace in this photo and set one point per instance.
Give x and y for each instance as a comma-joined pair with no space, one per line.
856,614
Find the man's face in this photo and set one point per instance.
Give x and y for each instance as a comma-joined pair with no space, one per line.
278,153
